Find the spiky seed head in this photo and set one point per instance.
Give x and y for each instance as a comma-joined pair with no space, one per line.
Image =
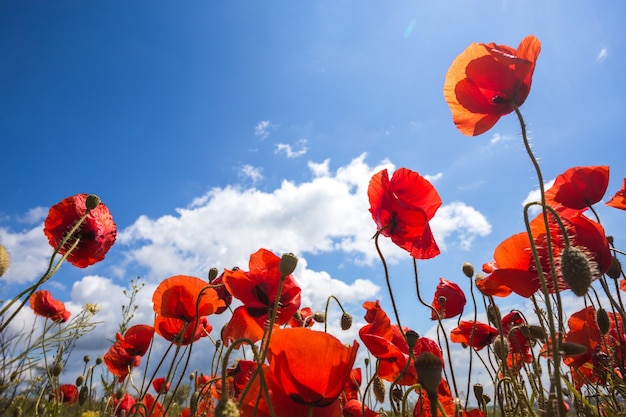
615,270
428,367
92,201
576,270
287,264
5,260
346,321
602,318
379,389
468,269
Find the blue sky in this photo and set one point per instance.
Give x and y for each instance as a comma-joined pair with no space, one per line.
212,129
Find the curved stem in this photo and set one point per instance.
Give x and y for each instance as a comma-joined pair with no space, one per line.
393,301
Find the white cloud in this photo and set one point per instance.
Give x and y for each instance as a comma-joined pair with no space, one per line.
533,196
262,129
603,54
499,138
34,215
292,152
250,172
434,178
29,252
461,220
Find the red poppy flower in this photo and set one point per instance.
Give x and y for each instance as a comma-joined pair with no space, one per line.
514,268
185,298
161,385
584,330
127,350
449,300
485,80
311,367
302,318
222,293
519,344
354,408
619,199
402,208
351,389
444,396
181,332
44,305
241,374
579,187
257,289
67,393
474,334
385,342
97,233
122,406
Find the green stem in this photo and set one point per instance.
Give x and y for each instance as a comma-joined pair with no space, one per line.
387,280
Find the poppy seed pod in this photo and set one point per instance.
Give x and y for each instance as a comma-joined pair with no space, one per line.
576,270
5,260
287,264
602,318
428,367
411,338
379,389
92,201
468,269
346,321
615,270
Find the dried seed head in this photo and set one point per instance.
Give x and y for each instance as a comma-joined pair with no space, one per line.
572,349
319,317
92,201
576,270
501,347
5,260
615,270
287,264
468,269
411,339
226,408
379,389
602,318
346,321
428,367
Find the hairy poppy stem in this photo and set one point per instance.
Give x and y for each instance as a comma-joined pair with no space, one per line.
391,297
556,356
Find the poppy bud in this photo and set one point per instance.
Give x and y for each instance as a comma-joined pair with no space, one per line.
120,393
478,392
501,347
57,368
486,399
468,269
5,260
428,367
602,318
193,402
572,349
98,360
226,408
79,380
379,389
319,317
287,264
614,271
397,394
493,314
346,321
537,332
83,394
92,201
576,270
411,339
86,358
212,274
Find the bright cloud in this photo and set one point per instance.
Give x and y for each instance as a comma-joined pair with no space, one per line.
499,138
602,54
292,152
461,220
535,195
262,129
29,251
252,173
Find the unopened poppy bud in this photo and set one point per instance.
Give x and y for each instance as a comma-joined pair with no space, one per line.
5,260
226,408
478,392
79,380
83,395
56,369
86,358
397,394
92,201
319,317
537,332
572,349
615,270
493,314
193,403
98,360
576,270
119,394
501,347
428,367
602,318
212,274
411,339
468,269
366,361
379,389
346,321
287,264
486,399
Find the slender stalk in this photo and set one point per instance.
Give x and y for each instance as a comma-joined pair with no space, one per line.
393,301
